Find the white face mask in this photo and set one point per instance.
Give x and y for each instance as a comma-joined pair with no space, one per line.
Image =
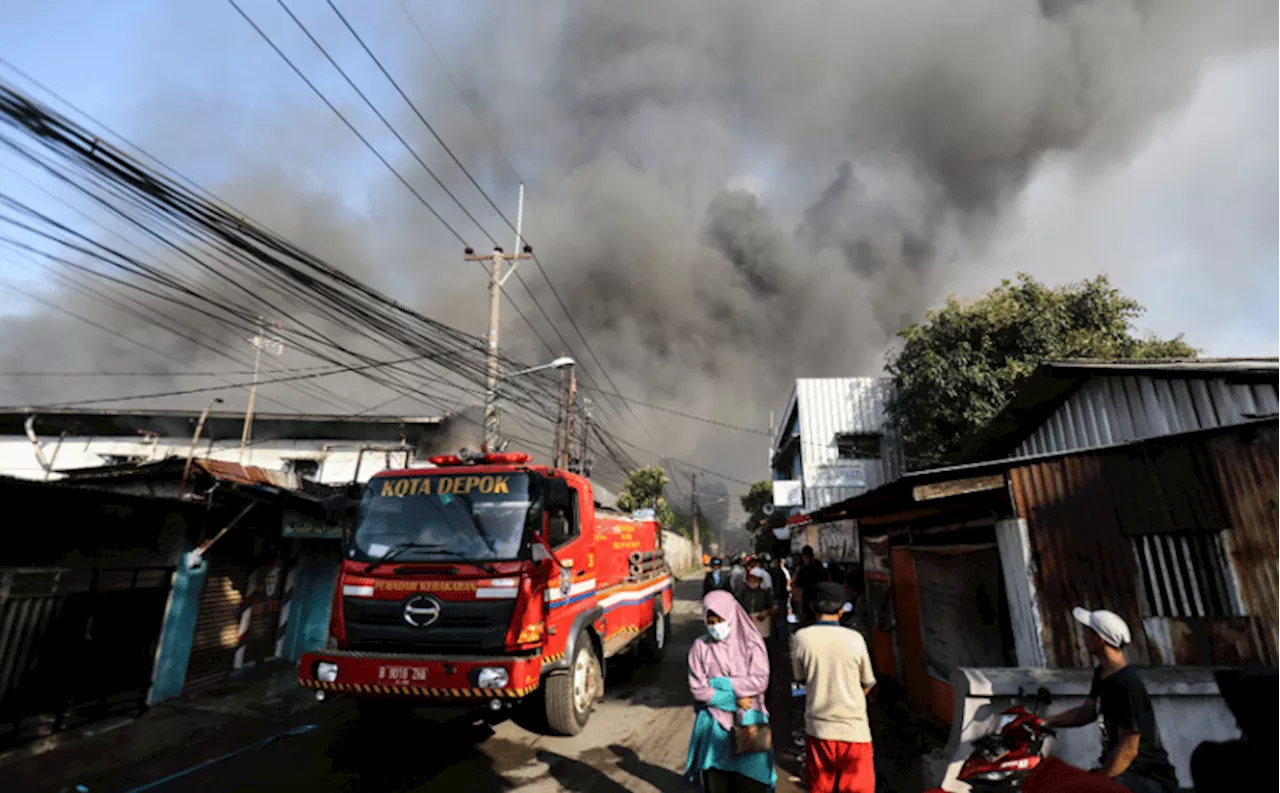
718,632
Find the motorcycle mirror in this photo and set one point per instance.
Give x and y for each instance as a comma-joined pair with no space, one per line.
1044,695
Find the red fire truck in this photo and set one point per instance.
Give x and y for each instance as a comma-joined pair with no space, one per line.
489,582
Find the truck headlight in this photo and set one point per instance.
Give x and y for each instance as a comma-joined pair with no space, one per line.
492,677
326,672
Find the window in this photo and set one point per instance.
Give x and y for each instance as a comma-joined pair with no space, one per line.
858,446
304,469
562,524
1184,574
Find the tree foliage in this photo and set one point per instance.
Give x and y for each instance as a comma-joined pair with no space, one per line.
644,490
758,523
957,369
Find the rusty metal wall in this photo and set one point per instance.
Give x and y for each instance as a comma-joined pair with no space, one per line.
1083,512
1247,473
1081,556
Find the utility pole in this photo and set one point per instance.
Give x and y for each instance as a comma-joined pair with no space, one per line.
496,280
568,414
273,346
559,444
191,455
697,539
583,463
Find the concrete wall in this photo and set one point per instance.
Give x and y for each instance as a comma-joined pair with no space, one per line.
1189,710
681,555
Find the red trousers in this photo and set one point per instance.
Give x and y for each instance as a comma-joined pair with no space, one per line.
838,766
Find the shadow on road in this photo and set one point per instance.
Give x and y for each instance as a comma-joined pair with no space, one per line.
661,778
577,776
409,753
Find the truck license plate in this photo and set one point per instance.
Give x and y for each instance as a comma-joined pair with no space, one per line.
402,674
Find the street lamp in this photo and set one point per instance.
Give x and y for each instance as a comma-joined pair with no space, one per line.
559,363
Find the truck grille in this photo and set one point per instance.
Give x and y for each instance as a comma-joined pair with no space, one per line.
463,627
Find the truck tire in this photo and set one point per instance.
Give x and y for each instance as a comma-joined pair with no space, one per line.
570,693
655,640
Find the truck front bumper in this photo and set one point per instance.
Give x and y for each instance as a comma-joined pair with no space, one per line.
420,677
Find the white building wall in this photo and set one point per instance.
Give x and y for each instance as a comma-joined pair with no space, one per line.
337,462
1111,409
834,405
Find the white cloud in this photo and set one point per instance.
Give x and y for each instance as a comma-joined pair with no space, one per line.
1188,225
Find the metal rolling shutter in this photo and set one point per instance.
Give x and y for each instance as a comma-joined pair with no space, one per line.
265,612
213,646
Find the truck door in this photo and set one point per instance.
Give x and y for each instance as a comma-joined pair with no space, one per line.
573,545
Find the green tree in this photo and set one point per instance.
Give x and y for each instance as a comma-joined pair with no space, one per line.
761,521
956,369
644,490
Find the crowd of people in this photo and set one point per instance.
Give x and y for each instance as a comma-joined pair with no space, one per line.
816,612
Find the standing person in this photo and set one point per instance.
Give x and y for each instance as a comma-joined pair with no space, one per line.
835,667
782,591
1131,750
811,573
781,578
759,602
737,575
728,676
715,579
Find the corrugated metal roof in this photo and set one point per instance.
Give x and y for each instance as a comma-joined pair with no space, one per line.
249,475
1185,365
170,466
1078,404
1116,408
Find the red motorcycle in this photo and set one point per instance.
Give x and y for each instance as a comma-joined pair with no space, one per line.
1002,759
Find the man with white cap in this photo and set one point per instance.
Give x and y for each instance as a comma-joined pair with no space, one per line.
1131,750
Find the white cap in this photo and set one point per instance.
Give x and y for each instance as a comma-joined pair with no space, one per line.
1109,625
759,572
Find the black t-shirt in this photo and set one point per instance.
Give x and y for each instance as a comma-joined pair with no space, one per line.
1125,705
807,580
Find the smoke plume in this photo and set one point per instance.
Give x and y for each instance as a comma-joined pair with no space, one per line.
730,194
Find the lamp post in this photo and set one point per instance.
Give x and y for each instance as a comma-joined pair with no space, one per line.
562,362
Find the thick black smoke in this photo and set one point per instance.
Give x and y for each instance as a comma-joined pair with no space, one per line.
730,194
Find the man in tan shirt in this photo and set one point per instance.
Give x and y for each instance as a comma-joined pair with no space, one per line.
836,669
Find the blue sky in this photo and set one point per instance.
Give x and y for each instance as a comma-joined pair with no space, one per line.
145,68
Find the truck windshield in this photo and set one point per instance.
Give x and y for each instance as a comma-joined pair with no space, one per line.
477,516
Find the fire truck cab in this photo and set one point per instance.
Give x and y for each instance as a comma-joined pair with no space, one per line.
489,582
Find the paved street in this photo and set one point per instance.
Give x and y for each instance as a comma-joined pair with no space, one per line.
636,741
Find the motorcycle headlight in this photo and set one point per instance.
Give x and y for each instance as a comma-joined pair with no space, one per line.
993,776
492,677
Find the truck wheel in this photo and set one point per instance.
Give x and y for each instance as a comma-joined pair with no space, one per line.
655,639
571,692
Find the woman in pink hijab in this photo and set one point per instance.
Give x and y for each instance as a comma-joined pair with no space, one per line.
728,676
